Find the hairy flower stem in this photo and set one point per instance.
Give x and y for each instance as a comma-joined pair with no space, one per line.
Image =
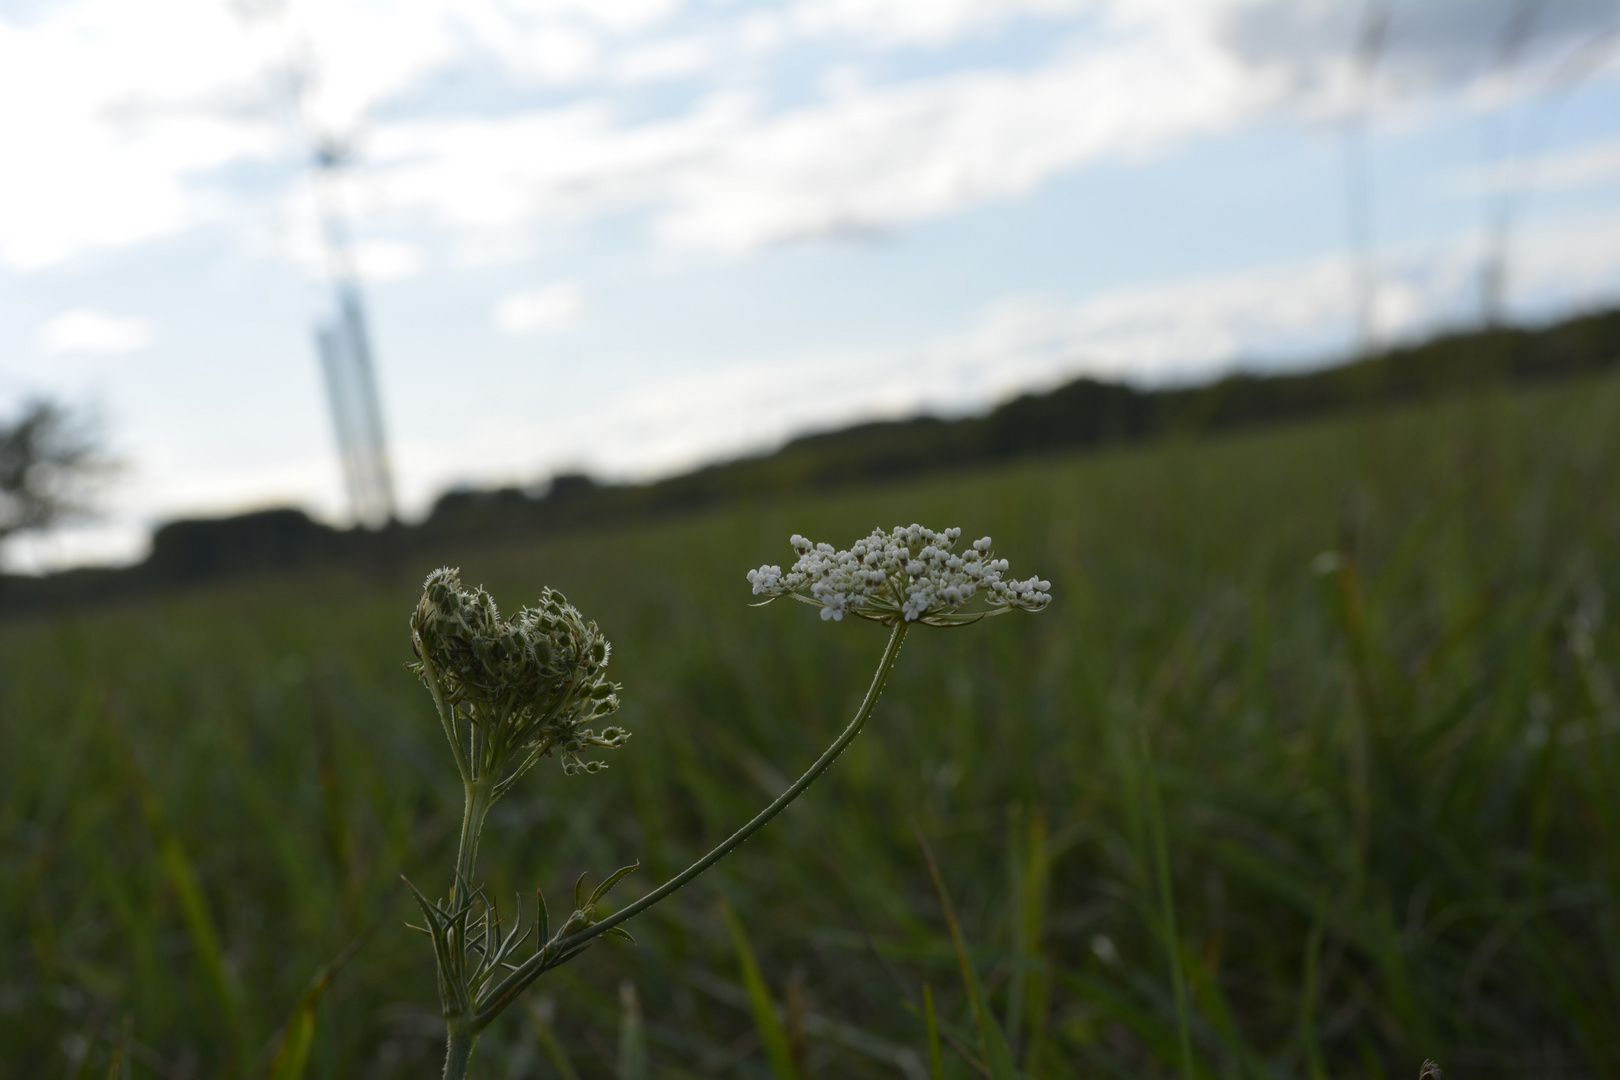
460,1033
458,1051
515,983
479,795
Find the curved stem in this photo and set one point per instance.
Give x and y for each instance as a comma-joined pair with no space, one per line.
514,984
776,807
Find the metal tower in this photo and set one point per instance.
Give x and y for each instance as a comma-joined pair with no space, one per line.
346,361
341,339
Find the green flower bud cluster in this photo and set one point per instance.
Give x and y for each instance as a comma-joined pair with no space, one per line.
536,681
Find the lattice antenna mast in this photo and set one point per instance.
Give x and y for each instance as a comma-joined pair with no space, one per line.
1521,159
1516,33
346,357
1371,37
341,338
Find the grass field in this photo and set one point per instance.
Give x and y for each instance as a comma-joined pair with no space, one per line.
1325,718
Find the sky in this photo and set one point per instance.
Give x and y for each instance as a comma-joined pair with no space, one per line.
631,236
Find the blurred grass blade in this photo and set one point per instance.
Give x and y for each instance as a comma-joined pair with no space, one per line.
1030,990
182,877
1017,858
540,1013
291,1054
120,1052
632,1034
1167,902
936,1060
1308,1003
992,1042
920,1009
772,1035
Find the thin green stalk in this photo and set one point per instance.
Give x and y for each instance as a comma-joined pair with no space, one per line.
447,716
461,1031
475,808
936,1058
514,984
1167,907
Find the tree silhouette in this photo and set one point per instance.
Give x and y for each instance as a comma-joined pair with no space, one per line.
48,456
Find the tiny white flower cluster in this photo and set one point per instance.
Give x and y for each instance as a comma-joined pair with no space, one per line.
908,573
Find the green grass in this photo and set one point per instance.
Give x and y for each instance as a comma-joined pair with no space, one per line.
1368,807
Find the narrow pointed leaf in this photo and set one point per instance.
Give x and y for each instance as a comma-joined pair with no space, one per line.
579,891
617,876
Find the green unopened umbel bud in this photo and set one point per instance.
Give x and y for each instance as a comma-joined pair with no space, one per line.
535,682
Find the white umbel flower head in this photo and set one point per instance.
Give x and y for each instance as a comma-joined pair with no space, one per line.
908,573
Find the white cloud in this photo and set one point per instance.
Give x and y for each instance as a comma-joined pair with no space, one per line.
900,154
917,22
548,308
558,55
387,260
86,330
671,58
621,16
1585,165
117,117
102,116
120,120
730,175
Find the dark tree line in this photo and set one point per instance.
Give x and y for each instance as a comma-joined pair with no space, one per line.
45,458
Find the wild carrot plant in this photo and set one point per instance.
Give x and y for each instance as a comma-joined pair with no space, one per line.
511,692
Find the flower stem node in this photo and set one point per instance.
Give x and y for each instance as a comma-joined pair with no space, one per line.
908,574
